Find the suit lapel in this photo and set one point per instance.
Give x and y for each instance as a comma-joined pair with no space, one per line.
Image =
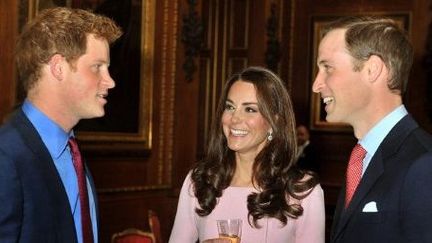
372,174
44,160
48,173
338,212
388,147
94,192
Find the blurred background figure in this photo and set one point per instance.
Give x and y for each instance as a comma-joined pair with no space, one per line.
306,153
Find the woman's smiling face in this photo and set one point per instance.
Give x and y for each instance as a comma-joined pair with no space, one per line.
243,125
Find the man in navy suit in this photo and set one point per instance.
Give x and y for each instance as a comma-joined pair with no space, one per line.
62,58
364,64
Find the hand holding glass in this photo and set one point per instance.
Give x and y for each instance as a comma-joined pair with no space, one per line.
230,229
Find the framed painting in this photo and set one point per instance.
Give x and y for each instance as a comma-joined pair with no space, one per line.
317,112
126,126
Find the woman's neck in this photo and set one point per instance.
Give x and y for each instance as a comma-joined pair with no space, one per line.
243,173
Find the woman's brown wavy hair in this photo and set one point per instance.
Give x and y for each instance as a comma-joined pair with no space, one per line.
275,175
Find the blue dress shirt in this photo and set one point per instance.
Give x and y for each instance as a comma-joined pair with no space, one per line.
56,141
371,141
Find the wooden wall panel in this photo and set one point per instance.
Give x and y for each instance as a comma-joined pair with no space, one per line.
417,94
238,24
8,32
124,210
129,185
235,36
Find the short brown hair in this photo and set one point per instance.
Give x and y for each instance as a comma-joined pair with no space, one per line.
61,31
370,35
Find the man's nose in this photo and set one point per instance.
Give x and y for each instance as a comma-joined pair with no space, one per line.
317,84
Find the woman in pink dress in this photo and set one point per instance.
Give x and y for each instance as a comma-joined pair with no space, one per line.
249,170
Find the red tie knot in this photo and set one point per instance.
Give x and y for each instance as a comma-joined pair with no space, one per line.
358,151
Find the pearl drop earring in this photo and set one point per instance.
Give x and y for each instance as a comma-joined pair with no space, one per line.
270,136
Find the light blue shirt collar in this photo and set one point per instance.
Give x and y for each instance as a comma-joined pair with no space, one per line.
371,141
52,135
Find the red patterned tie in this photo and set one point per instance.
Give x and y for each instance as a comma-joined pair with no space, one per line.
83,194
354,172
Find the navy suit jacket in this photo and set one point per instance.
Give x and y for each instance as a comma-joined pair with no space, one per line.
34,206
399,180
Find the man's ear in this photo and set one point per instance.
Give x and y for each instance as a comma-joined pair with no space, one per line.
374,68
56,65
